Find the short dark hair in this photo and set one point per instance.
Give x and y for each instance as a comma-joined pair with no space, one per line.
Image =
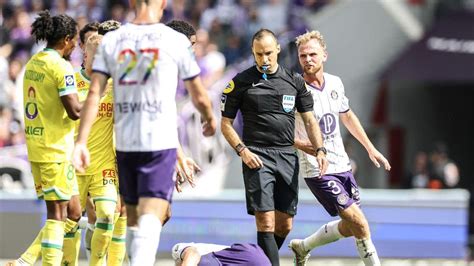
182,27
91,26
262,33
53,28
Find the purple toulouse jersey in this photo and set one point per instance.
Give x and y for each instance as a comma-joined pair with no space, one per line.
329,101
237,254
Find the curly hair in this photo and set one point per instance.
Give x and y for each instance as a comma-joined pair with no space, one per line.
91,26
53,28
182,27
306,37
107,26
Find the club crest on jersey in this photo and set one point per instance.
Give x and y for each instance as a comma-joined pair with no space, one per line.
223,101
288,103
69,80
342,199
230,87
334,95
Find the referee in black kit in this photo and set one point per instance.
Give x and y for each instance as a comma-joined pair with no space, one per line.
267,95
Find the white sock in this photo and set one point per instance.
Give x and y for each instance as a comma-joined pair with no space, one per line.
82,223
367,252
146,240
130,236
202,249
88,239
326,234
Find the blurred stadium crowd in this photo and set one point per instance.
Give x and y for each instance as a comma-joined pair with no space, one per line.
224,29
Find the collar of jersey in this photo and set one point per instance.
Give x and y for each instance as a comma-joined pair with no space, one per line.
84,75
314,87
50,50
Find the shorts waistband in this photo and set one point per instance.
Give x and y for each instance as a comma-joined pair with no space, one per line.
275,148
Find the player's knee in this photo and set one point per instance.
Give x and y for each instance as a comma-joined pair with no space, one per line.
105,212
283,229
265,222
74,209
360,227
166,217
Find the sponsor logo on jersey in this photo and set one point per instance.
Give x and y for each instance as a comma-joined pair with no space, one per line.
223,101
109,177
327,123
69,80
135,107
230,87
288,103
108,173
105,110
34,131
81,84
31,108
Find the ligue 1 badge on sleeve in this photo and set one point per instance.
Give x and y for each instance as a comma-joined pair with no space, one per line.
334,95
230,87
69,80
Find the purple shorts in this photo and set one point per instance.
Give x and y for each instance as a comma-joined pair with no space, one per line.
146,174
237,254
335,191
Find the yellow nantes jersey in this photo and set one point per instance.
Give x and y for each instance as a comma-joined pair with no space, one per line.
100,142
48,129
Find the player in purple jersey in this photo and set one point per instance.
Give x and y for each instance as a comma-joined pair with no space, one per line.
203,254
337,189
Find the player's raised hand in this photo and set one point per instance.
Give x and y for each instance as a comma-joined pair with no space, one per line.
185,170
376,157
251,159
80,157
209,127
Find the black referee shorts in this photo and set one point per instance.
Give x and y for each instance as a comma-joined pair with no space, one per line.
275,185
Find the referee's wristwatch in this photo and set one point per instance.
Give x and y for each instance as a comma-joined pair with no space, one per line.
322,149
240,148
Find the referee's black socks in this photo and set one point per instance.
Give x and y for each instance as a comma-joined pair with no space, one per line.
279,241
266,240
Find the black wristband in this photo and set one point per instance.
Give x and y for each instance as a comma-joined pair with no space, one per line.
322,149
239,148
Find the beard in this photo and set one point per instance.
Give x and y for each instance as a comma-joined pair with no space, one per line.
311,70
67,57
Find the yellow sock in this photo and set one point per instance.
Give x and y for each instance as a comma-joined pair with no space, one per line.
103,231
71,248
52,242
116,251
33,252
72,243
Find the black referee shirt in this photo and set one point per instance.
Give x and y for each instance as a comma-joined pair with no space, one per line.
267,106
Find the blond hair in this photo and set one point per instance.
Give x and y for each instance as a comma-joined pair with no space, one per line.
306,37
